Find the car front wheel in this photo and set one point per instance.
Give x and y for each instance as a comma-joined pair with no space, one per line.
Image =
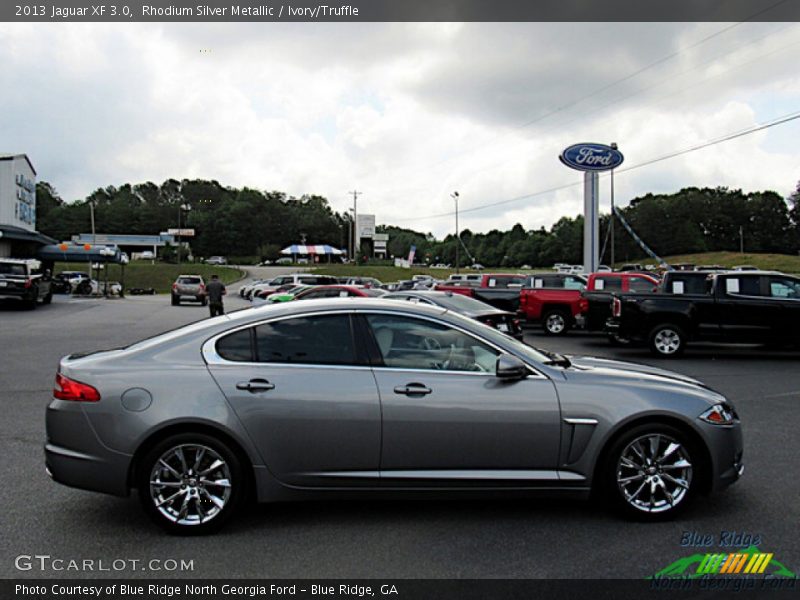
667,340
555,322
191,483
651,473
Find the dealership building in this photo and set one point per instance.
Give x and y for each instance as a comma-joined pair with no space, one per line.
18,235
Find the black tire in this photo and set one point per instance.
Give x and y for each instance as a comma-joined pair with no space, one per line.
175,300
622,496
667,340
556,322
232,495
203,301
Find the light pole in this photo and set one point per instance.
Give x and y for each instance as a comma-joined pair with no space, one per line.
356,237
181,208
611,223
94,235
454,196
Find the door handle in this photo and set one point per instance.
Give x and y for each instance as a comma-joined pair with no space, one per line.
255,385
413,389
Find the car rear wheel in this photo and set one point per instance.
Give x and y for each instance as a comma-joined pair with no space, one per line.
203,301
667,340
175,300
651,473
555,322
191,483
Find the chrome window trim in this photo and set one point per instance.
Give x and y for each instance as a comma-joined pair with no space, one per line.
211,357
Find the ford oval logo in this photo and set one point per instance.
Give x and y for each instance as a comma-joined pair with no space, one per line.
591,157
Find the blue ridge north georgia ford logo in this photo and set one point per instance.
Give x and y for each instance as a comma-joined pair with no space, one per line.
591,157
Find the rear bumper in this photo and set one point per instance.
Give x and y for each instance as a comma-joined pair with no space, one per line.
74,456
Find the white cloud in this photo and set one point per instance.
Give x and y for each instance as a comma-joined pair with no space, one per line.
406,113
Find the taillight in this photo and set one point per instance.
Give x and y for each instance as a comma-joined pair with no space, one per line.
28,283
174,286
67,389
616,307
202,287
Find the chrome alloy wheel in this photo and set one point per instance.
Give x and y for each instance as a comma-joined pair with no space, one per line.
667,341
654,473
190,484
555,323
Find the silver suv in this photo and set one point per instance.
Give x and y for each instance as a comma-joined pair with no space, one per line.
189,287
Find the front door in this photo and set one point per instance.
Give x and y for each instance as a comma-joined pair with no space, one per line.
307,401
447,420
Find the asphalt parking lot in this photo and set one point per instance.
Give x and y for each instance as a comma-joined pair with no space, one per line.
427,539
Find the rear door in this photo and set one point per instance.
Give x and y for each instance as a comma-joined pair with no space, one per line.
746,313
447,420
306,396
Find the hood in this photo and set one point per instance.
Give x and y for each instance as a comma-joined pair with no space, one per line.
620,370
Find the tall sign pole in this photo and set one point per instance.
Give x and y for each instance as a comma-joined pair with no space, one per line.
591,159
591,206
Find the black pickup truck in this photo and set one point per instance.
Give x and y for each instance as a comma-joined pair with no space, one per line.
734,307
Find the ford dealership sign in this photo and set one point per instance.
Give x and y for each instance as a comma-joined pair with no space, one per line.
591,157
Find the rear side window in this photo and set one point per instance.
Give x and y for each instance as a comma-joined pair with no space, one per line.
318,340
608,284
743,286
237,346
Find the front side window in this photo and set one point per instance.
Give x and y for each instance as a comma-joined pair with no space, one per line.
409,343
573,283
780,287
640,284
316,340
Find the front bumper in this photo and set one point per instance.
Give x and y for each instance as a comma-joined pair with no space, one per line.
726,447
74,455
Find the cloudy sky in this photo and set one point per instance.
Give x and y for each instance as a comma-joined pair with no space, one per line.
405,113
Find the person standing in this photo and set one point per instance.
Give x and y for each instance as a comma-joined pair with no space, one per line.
215,291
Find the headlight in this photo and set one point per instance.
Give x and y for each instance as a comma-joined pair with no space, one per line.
720,414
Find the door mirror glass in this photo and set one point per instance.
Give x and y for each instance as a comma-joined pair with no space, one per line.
510,367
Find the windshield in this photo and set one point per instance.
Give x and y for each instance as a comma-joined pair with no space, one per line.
12,269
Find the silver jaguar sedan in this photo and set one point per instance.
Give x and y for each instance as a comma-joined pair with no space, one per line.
356,396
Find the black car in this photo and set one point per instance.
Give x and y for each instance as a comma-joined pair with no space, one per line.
733,307
501,320
24,280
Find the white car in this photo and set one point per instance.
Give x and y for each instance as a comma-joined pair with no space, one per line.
247,289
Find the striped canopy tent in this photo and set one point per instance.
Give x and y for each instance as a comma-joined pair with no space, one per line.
312,250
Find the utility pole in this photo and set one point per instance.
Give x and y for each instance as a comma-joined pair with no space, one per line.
356,233
454,196
613,216
741,239
94,235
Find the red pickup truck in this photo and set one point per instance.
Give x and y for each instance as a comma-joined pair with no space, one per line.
500,290
560,301
554,300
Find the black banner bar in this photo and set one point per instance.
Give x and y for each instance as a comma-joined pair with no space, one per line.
398,10
400,589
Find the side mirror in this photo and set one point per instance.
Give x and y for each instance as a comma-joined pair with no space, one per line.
509,367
